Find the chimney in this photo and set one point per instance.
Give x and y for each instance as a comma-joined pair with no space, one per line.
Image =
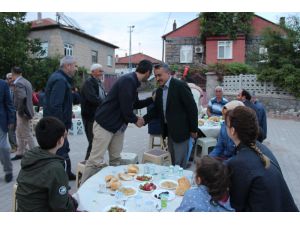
282,21
174,25
39,15
125,54
117,58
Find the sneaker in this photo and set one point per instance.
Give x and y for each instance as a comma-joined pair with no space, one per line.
17,157
72,176
8,177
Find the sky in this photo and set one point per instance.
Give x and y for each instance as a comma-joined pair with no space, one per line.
146,35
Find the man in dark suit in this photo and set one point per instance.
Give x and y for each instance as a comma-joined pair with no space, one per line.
178,112
7,119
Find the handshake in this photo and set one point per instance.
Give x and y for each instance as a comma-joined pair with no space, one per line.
140,122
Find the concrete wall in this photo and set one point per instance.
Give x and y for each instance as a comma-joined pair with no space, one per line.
82,47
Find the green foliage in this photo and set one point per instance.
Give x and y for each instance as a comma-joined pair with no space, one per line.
15,48
224,69
225,24
281,64
80,76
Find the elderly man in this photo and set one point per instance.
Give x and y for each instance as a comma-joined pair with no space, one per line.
24,106
7,119
178,112
12,129
58,102
216,104
92,95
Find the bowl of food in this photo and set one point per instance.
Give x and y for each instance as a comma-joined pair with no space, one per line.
158,193
143,178
115,208
168,184
147,187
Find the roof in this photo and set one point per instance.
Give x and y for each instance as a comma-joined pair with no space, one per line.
192,28
136,58
47,23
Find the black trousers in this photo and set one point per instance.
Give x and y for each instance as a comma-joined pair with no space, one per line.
88,128
64,152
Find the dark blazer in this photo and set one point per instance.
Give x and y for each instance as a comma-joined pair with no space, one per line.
117,108
58,98
181,111
255,188
7,110
90,99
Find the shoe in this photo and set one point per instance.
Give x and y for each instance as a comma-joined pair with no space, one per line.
8,177
17,157
72,176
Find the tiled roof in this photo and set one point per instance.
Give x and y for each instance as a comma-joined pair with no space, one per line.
42,22
136,58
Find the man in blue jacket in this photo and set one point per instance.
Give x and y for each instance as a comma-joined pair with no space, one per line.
7,119
112,117
58,102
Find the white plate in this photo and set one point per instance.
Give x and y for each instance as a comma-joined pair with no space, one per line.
136,191
147,191
171,195
169,188
107,208
148,175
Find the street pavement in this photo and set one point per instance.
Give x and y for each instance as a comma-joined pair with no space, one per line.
283,139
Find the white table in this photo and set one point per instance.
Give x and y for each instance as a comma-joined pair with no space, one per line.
210,129
90,199
76,109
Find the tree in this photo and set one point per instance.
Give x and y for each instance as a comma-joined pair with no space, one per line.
225,24
15,48
281,63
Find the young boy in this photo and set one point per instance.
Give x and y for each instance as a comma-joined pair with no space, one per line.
42,181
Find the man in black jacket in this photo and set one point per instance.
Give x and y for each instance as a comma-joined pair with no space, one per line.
58,102
92,95
112,118
178,112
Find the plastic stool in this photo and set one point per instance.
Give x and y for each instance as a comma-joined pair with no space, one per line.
157,156
205,143
152,141
79,173
129,158
14,200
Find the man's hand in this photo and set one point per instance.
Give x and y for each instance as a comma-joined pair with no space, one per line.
140,122
194,134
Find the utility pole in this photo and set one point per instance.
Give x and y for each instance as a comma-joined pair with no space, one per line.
130,31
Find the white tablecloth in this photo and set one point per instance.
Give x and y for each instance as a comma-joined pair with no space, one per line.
77,111
90,199
210,129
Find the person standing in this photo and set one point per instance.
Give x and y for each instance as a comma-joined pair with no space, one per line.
58,102
178,112
92,95
12,129
112,117
216,104
262,115
7,119
24,106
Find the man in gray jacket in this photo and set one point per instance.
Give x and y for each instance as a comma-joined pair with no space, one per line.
23,104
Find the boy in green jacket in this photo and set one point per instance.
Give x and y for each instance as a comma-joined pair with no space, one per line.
42,181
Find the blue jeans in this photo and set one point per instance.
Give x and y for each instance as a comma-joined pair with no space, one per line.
4,153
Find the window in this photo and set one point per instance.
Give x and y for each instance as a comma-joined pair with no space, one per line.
44,52
109,60
68,49
186,54
224,49
263,54
94,56
263,51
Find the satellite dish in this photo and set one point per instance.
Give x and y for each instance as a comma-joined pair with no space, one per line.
67,21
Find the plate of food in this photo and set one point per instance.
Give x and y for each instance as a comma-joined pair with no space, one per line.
128,191
143,178
125,176
115,208
201,122
168,184
157,194
147,187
